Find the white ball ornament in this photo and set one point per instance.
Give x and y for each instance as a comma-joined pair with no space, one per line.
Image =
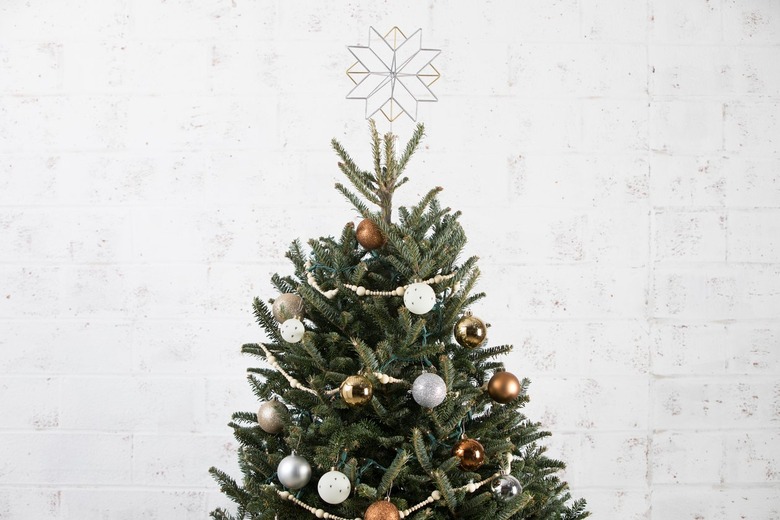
419,298
294,472
429,390
334,487
292,330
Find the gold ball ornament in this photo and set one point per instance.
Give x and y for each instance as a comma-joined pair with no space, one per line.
470,331
287,306
471,454
382,510
504,387
356,390
369,235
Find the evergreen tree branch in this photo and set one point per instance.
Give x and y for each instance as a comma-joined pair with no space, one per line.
392,472
421,450
411,147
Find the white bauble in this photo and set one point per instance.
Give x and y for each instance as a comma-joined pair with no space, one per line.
294,472
419,298
292,330
334,487
429,390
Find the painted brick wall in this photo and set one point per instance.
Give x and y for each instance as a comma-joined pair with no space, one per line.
617,162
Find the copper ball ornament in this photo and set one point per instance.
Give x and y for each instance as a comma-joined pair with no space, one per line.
369,235
470,331
356,390
504,387
287,306
471,454
382,510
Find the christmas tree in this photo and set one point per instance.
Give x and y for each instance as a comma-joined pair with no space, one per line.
382,399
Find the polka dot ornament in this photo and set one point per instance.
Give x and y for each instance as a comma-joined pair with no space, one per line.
292,330
334,487
419,298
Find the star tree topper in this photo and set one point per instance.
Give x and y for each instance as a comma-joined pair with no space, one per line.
393,73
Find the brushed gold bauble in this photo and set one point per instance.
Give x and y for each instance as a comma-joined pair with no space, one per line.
471,454
356,390
382,510
504,387
369,235
287,306
470,331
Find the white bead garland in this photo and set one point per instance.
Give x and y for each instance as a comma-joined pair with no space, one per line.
383,378
362,291
435,495
293,382
313,282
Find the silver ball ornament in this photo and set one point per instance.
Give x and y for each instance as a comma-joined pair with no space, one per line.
419,298
506,487
429,390
271,416
294,472
334,487
292,330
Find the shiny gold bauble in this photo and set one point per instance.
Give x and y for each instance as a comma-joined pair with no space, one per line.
471,454
356,390
470,331
369,235
382,510
504,387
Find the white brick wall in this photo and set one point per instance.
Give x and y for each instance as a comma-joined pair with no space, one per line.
618,163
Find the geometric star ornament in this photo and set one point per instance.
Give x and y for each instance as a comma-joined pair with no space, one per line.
393,73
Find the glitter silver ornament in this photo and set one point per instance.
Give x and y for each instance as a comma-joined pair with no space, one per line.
429,390
294,472
506,487
271,416
287,306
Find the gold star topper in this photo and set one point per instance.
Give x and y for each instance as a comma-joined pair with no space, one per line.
393,73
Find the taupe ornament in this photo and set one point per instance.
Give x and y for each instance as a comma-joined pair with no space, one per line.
287,306
369,235
470,331
271,416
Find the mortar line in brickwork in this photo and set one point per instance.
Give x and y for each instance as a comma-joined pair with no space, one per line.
128,375
107,487
650,266
580,264
125,319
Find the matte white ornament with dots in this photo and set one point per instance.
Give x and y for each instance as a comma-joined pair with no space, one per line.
419,298
334,487
292,330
